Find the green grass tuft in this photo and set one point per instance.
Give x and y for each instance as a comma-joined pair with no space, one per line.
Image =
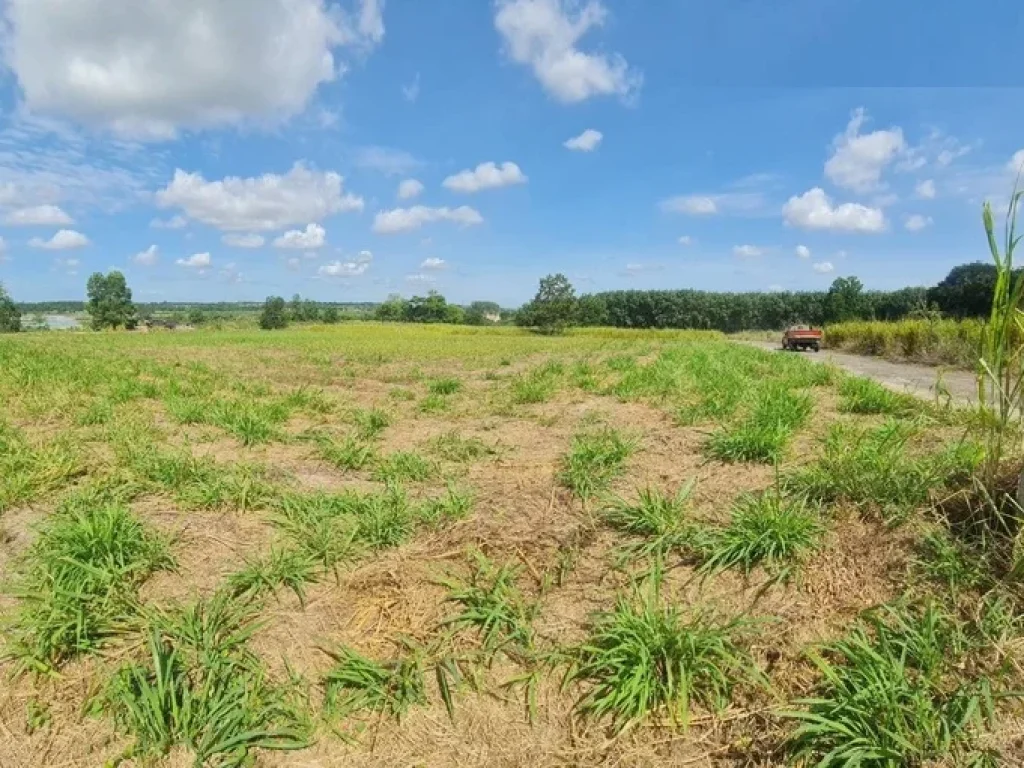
648,658
403,466
869,397
356,684
595,459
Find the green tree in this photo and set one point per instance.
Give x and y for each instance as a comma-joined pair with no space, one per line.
592,310
274,314
110,301
330,315
196,316
432,308
846,300
392,310
10,315
966,291
482,313
554,308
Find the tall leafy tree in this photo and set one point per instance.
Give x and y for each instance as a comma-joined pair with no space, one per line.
846,300
274,314
392,310
110,301
482,313
554,308
10,315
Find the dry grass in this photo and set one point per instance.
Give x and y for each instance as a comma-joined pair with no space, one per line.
506,447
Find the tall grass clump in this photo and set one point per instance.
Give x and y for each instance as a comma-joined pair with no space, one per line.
660,520
903,688
770,530
79,584
875,468
28,472
764,435
199,687
355,684
649,658
594,460
869,397
1001,360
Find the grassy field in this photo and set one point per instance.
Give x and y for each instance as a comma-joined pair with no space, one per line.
429,546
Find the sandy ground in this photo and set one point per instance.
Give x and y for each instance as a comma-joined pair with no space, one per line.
912,378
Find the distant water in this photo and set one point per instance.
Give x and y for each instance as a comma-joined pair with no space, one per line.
62,322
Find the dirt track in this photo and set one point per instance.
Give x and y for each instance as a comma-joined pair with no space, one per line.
915,379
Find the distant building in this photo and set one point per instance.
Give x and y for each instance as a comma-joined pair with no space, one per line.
493,317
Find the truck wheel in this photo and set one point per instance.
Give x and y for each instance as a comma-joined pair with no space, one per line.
816,348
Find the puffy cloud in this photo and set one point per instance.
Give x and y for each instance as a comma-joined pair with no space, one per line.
249,240
692,205
859,159
175,222
686,240
917,222
38,216
267,202
149,67
314,236
485,176
408,219
198,261
409,189
747,251
814,210
823,267
434,263
148,257
803,252
1016,163
63,240
925,189
544,35
585,142
353,268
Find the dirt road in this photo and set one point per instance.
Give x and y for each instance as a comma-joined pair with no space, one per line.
912,378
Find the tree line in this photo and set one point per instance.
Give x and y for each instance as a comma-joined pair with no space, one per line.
965,292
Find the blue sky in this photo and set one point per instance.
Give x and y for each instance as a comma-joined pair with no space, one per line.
232,149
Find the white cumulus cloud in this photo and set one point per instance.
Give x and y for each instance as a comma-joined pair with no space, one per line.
803,252
814,210
353,268
409,189
686,240
1016,163
148,257
747,251
585,142
38,216
434,263
408,219
545,35
63,240
147,68
925,189
823,267
312,237
196,261
266,202
859,159
917,222
485,176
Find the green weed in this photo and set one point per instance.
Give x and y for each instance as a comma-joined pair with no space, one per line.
280,569
446,386
764,435
869,397
896,692
451,446
349,453
594,460
357,684
370,422
403,466
645,658
79,584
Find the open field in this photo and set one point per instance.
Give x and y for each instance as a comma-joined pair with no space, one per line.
431,546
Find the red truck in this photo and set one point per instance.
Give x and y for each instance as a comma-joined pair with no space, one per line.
798,337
